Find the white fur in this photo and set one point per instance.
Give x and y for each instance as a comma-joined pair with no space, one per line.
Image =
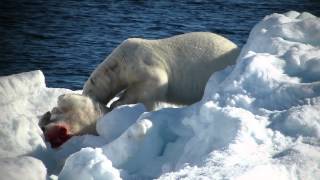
173,70
77,113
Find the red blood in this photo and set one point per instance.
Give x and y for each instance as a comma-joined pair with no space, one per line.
57,135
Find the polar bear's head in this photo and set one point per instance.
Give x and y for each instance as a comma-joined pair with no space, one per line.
100,89
107,80
75,114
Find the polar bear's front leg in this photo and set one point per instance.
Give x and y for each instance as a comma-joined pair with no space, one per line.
151,89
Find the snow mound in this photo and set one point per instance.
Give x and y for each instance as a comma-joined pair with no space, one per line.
257,119
24,167
89,164
113,124
23,98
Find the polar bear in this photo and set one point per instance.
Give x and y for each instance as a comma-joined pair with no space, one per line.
173,70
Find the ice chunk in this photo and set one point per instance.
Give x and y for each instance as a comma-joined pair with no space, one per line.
298,121
19,85
124,147
23,98
113,124
24,167
89,164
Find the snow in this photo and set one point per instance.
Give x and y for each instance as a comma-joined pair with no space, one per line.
89,164
113,124
24,167
258,119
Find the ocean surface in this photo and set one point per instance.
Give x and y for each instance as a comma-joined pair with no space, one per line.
68,39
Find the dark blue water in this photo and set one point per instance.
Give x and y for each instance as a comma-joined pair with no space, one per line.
67,39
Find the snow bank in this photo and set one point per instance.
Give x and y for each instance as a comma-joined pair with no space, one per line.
273,96
257,119
24,97
89,164
23,167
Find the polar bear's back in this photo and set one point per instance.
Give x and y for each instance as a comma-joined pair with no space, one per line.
191,59
188,59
